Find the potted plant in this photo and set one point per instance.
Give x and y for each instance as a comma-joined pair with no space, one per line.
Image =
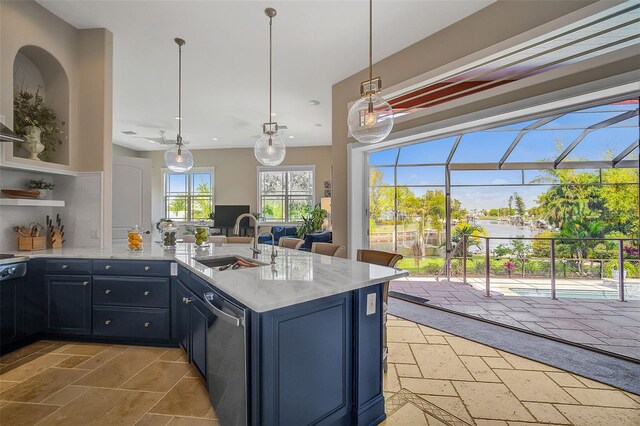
313,222
43,186
37,123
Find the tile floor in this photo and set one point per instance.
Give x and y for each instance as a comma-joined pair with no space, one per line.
62,383
609,325
434,378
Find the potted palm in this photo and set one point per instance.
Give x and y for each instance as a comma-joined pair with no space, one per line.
36,123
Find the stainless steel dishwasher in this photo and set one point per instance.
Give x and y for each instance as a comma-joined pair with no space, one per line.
227,360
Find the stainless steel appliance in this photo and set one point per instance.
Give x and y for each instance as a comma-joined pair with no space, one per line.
227,359
11,300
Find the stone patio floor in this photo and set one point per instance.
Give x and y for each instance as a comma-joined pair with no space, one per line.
606,324
435,378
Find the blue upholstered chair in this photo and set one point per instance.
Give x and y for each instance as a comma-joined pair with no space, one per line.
318,237
278,232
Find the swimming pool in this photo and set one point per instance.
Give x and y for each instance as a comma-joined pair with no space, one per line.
567,294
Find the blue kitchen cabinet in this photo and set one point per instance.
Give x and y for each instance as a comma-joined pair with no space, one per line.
68,304
198,327
10,312
182,314
34,296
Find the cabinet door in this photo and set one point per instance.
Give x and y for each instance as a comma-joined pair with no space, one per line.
198,334
34,296
69,304
183,317
10,311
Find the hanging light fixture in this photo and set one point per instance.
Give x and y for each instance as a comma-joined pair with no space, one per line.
270,149
370,118
178,158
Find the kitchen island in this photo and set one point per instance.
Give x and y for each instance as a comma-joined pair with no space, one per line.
296,341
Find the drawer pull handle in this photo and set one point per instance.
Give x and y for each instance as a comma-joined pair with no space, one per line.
107,267
146,268
107,291
64,266
147,324
146,293
107,322
85,282
187,300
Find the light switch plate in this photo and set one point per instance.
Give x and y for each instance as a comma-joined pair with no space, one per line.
371,303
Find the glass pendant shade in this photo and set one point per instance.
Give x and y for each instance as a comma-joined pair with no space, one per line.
178,162
370,119
270,150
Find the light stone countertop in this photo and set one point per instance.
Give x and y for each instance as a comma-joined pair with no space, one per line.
296,276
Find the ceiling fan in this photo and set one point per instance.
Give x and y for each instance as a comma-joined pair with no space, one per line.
162,140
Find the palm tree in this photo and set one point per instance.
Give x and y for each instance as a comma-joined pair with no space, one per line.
472,232
579,231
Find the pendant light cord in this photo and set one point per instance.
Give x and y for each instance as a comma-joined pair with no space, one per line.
179,139
270,64
370,42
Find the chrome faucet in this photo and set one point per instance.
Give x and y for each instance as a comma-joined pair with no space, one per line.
236,230
274,252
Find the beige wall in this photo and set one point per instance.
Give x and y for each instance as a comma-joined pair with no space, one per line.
484,29
86,57
235,173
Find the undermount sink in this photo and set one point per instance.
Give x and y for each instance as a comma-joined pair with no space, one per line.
217,261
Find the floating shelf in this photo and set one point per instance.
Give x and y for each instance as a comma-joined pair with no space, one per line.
28,202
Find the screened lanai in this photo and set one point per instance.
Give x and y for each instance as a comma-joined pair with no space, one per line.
521,155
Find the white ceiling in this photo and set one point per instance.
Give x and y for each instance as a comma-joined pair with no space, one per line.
225,61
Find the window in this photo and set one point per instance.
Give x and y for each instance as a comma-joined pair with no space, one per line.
188,196
285,193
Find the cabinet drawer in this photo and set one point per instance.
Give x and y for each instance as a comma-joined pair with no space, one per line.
129,322
131,291
68,266
132,267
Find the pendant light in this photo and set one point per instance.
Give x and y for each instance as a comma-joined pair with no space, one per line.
370,118
269,149
178,158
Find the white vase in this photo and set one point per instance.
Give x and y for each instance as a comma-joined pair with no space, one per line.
33,141
45,194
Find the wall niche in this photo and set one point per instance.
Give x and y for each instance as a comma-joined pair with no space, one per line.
35,69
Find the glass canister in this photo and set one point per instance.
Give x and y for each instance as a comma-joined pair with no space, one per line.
169,235
202,234
134,237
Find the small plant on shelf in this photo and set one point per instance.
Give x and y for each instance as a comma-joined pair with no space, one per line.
30,112
40,184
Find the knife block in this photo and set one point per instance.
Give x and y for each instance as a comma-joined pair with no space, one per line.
54,239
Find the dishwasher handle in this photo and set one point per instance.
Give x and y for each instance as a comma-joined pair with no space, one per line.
231,319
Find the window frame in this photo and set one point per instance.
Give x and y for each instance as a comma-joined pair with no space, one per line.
193,170
299,168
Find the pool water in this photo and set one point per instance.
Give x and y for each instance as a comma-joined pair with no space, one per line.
568,294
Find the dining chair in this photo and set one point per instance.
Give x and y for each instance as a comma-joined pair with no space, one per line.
382,258
329,249
218,239
240,240
290,243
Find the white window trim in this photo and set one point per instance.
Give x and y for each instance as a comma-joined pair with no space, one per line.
306,168
165,170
